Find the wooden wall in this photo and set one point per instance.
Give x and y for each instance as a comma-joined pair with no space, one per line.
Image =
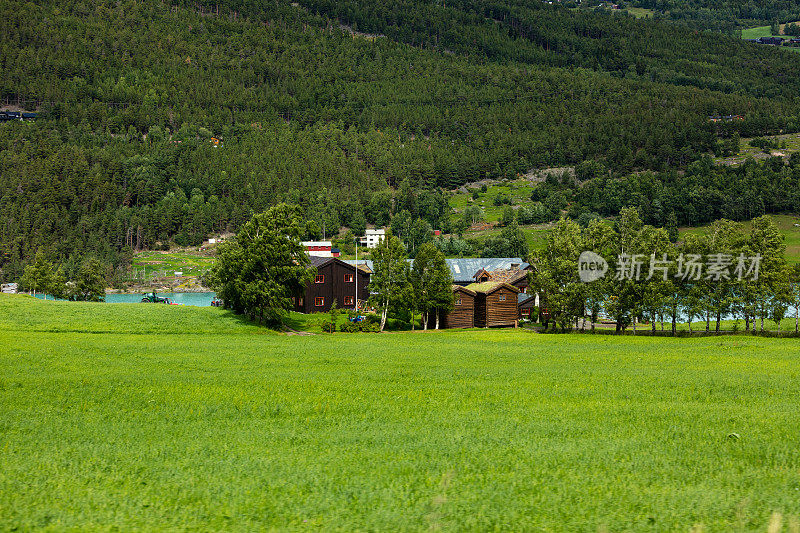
334,288
462,316
491,311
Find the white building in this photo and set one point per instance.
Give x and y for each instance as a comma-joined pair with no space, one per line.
320,248
8,288
373,237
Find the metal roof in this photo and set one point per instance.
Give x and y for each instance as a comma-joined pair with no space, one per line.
463,269
317,261
361,262
524,297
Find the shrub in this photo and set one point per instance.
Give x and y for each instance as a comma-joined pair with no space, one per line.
536,213
348,327
329,326
502,199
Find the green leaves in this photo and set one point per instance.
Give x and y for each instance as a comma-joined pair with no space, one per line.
264,267
431,283
389,284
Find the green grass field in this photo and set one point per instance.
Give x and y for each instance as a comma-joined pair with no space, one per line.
640,12
755,33
519,190
535,236
765,31
132,417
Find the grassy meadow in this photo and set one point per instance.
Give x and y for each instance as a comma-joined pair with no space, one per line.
640,12
755,33
518,190
130,416
766,31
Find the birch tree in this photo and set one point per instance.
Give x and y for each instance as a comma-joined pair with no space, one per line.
390,282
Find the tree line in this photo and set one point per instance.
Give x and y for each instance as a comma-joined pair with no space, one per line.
87,285
709,276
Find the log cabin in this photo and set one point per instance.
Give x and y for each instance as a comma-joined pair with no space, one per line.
334,280
463,313
516,276
495,304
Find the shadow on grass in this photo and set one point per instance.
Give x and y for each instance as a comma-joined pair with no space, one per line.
295,322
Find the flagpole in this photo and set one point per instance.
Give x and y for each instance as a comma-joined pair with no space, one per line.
356,300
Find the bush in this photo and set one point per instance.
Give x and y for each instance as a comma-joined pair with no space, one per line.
533,214
502,199
329,326
507,216
366,327
764,144
349,327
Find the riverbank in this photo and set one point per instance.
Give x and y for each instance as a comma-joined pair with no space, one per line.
194,299
142,289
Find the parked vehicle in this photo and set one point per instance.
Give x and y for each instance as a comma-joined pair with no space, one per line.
153,298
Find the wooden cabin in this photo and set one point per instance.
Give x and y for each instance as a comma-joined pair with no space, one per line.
334,280
495,304
463,313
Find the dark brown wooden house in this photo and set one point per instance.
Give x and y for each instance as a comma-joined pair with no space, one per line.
495,304
334,280
463,313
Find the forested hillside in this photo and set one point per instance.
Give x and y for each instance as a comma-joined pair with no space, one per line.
723,15
130,95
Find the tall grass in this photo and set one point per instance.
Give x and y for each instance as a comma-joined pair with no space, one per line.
200,422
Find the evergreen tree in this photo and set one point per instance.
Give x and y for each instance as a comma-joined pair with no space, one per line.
38,276
258,273
672,227
90,284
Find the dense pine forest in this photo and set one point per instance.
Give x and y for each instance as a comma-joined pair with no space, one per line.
723,15
164,123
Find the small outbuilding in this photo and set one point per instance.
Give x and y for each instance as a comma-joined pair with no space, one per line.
463,313
527,304
495,304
